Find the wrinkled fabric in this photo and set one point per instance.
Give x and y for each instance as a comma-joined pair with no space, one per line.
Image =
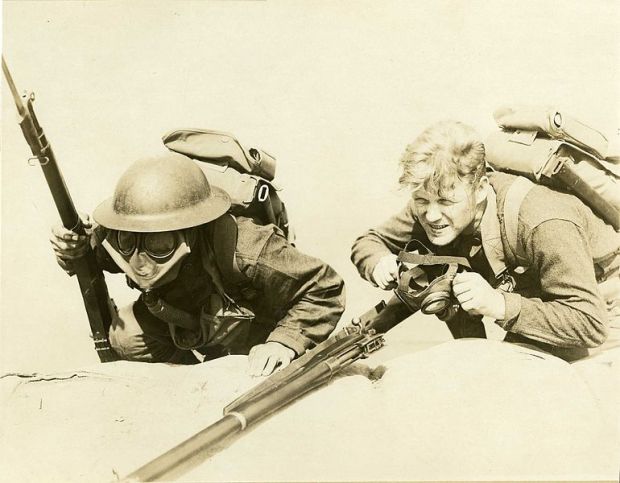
297,299
556,302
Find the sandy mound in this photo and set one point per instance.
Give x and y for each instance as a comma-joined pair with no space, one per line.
468,409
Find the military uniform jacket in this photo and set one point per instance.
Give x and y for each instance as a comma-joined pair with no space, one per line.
297,299
568,250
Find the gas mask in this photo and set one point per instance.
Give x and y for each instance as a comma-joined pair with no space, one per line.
425,280
149,259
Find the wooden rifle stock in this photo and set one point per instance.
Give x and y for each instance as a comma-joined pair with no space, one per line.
314,369
94,290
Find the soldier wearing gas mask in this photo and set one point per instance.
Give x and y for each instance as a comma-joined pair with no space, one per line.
447,251
210,283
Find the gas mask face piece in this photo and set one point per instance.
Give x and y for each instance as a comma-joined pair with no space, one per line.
149,259
425,280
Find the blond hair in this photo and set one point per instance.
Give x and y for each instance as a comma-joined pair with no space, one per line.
442,154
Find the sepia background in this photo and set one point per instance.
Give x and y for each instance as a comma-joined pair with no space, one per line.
335,90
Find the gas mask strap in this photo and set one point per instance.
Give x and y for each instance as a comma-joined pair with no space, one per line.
208,263
452,269
404,282
429,259
170,314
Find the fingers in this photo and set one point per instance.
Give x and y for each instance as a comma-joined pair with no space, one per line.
466,282
283,363
265,358
460,288
385,272
86,221
69,251
464,277
272,361
60,232
387,283
256,362
67,244
464,297
262,362
476,296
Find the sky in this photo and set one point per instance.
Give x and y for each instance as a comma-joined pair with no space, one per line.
335,90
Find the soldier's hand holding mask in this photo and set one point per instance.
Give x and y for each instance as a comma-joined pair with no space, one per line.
68,245
477,297
265,358
385,273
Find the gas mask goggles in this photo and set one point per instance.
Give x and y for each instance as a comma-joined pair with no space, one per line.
425,280
149,259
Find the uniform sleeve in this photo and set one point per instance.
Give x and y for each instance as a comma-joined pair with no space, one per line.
569,311
308,293
389,237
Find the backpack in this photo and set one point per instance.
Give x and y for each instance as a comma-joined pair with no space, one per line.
543,146
553,149
246,174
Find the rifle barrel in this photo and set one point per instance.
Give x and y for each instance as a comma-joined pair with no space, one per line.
219,435
90,277
381,318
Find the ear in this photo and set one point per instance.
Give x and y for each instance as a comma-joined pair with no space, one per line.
482,190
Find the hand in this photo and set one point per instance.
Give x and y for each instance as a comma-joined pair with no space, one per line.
477,297
68,245
385,272
264,358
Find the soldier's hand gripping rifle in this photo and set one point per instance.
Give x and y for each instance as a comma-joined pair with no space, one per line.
90,277
315,368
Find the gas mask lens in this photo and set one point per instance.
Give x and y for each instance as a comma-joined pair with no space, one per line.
425,279
156,245
126,242
160,245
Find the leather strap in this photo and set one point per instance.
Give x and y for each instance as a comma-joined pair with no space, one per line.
517,192
429,259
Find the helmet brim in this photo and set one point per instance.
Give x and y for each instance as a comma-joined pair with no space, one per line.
203,212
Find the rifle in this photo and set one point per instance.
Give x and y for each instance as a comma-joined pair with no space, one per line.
94,290
315,368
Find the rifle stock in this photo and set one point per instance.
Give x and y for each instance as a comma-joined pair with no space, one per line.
90,277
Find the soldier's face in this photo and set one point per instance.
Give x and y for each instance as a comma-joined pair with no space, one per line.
149,259
445,216
147,253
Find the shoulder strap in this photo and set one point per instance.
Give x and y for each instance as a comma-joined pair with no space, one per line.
224,243
515,195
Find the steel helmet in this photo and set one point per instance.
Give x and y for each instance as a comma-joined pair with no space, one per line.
162,193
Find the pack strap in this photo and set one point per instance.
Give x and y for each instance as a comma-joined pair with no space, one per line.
170,314
412,274
517,192
223,250
210,266
429,259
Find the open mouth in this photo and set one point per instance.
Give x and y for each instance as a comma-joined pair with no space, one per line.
437,227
